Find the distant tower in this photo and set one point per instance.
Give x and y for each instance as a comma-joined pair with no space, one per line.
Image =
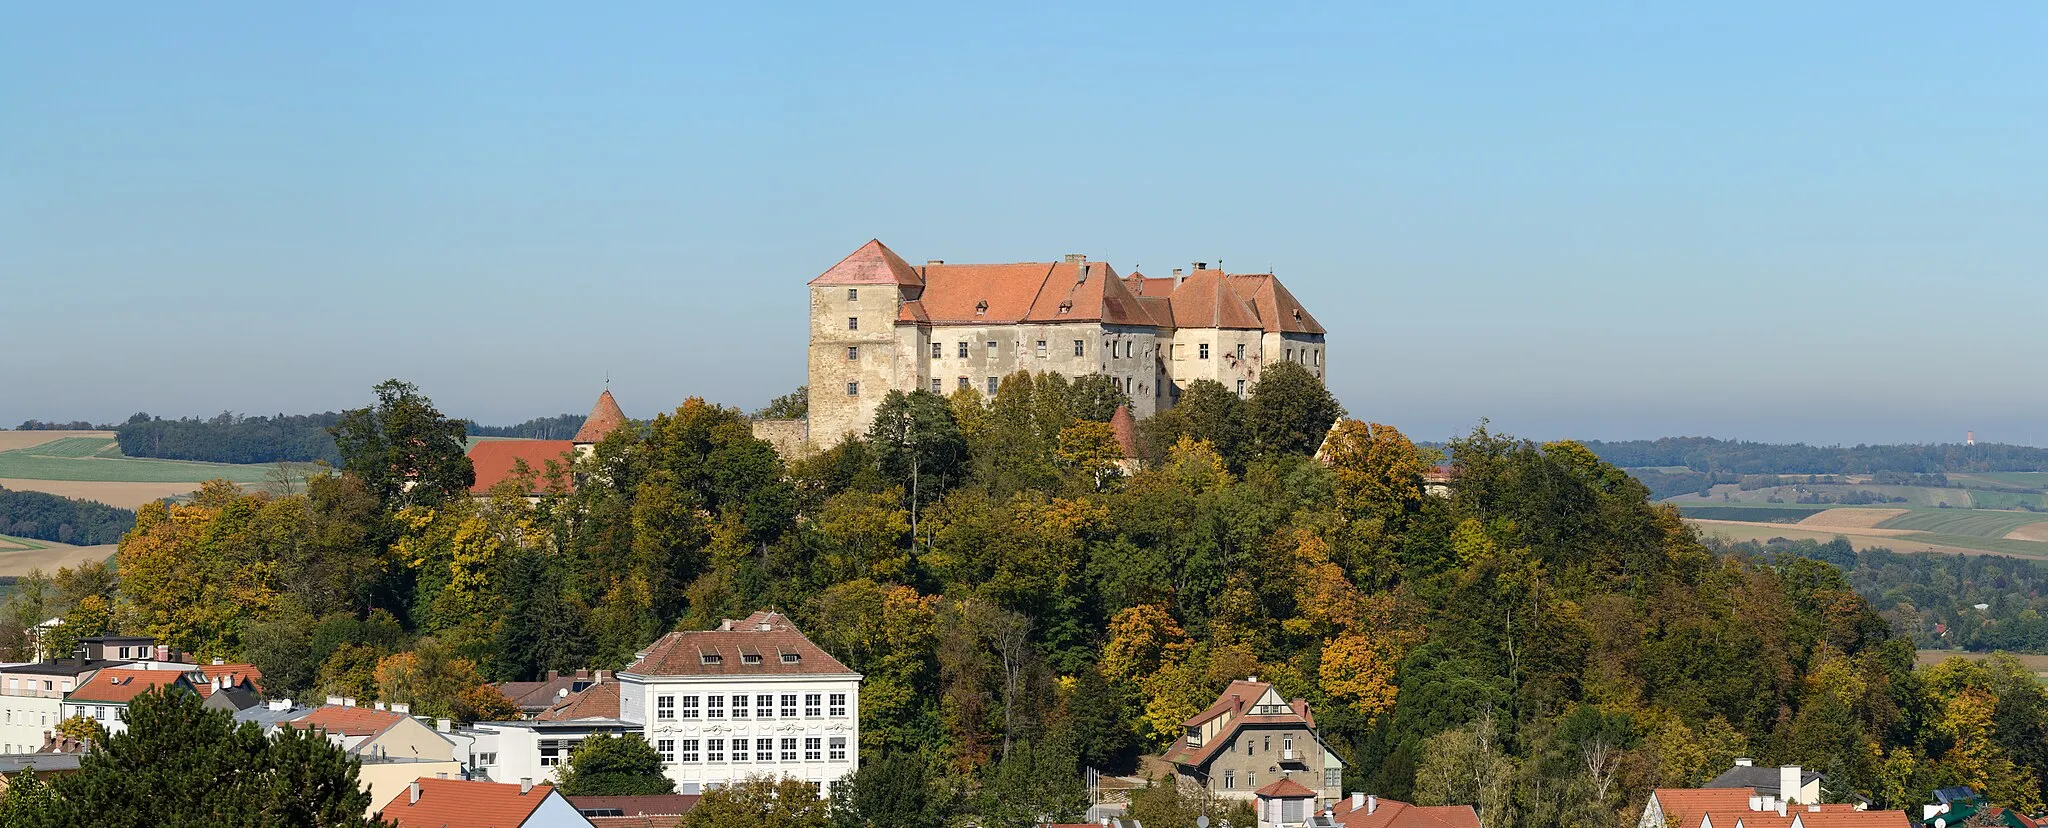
605,417
1969,438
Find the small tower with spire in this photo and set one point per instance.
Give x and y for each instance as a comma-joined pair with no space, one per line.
605,418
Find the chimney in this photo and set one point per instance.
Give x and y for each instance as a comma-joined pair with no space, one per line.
415,789
1372,804
163,652
1788,783
1201,266
1357,801
1083,277
554,674
1770,803
1744,761
1756,803
333,701
347,702
1781,807
930,262
1075,258
380,705
219,661
401,708
525,785
583,672
442,725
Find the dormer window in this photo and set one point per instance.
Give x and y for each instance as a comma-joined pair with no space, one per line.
791,658
1066,306
713,658
981,308
750,658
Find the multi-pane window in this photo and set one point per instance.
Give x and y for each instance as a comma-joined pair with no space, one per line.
789,749
812,704
789,705
963,350
714,707
1202,351
991,347
1240,350
991,386
689,752
1290,355
963,383
1229,780
838,746
739,750
853,352
853,294
938,350
667,749
813,748
1332,777
689,707
838,704
764,750
739,706
937,387
664,707
1041,349
764,705
853,323
551,752
1240,388
853,389
1287,742
1080,347
714,750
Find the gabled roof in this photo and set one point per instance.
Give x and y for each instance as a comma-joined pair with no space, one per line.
1763,779
235,673
461,803
873,264
1687,804
495,461
120,685
1205,300
1285,788
1278,310
1237,701
1390,813
348,721
598,701
605,418
1826,818
775,644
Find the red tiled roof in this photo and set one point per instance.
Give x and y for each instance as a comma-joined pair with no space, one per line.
1852,819
119,685
653,805
605,418
1278,310
1389,813
1687,804
1746,819
1234,700
873,264
724,651
1062,291
462,803
348,721
1205,300
1126,428
495,461
598,701
1285,788
236,673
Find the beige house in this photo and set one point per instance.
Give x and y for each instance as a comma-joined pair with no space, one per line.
879,323
1252,738
395,748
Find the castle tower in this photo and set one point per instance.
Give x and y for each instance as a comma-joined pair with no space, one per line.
605,417
853,358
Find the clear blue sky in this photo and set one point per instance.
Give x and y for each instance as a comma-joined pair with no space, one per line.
1819,222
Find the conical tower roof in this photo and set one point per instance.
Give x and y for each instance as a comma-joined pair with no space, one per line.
873,264
605,417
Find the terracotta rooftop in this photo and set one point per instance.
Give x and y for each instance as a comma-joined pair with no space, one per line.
1829,818
1126,428
654,805
1235,701
462,803
873,264
495,460
764,643
598,701
1285,788
235,673
535,696
1389,813
117,685
1687,804
605,418
348,721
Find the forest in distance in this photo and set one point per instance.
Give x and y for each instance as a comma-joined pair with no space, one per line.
1030,610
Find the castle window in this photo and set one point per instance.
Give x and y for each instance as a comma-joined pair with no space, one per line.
991,386
853,294
963,384
1080,347
853,352
938,387
1319,356
1041,349
1240,388
991,347
1229,779
853,389
963,350
1290,355
1203,351
853,323
1240,350
981,307
938,350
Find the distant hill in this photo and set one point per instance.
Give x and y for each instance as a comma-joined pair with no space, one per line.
1707,455
293,438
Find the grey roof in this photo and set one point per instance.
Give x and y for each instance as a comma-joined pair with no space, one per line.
40,762
268,718
64,667
1764,780
233,698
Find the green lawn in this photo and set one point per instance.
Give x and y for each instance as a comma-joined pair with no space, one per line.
99,459
1976,523
10,543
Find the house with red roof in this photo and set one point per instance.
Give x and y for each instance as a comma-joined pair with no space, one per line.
105,697
879,323
462,803
1365,811
1251,738
1746,808
395,748
544,465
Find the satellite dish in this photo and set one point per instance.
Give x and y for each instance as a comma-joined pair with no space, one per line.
1202,821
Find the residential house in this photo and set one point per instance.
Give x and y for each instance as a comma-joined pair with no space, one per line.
536,696
461,803
534,748
656,811
1745,808
1787,782
394,747
105,697
1251,737
1366,811
1963,806
752,697
1283,803
41,764
32,695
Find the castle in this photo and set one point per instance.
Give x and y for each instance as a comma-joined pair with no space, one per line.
878,323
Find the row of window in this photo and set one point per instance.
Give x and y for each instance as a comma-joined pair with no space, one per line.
18,683
1332,777
685,751
97,712
24,718
764,706
1307,354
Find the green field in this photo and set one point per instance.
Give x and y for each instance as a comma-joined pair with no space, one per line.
2008,500
1916,496
2022,480
1757,513
1976,523
99,459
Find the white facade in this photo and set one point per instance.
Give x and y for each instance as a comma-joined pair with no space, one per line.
715,730
511,751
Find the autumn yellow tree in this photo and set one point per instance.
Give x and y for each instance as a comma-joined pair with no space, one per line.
192,572
1090,449
1378,471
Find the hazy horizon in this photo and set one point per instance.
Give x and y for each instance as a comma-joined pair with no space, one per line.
1816,224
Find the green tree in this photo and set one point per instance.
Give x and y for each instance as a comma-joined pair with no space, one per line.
1166,803
794,405
1033,784
614,766
404,449
181,765
917,444
761,802
893,791
540,630
1206,411
27,797
1289,411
